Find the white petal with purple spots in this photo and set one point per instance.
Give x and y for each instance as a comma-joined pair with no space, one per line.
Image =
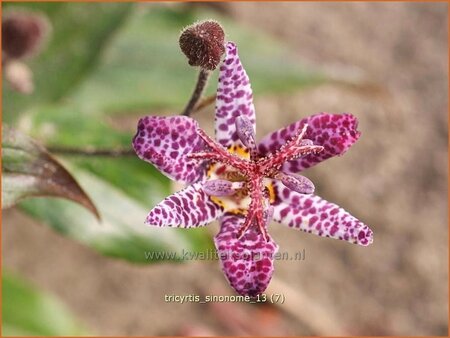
190,207
315,215
335,132
234,98
248,261
165,142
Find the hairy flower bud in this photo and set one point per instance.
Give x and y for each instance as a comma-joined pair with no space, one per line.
23,34
203,43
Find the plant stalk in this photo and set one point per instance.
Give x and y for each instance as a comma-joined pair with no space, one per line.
198,91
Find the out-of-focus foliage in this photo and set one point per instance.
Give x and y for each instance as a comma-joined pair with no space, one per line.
79,35
27,311
121,232
122,58
106,65
29,170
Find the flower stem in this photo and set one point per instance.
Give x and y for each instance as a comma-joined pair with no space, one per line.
198,91
92,152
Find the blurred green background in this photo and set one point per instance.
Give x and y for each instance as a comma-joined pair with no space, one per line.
107,64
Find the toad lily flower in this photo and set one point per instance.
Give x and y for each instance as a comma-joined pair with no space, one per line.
244,184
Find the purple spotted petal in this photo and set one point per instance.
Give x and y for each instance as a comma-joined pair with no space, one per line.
315,215
247,262
165,142
335,132
234,98
190,207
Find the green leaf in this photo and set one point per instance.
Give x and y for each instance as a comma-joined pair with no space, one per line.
62,125
122,232
27,311
144,183
29,170
79,35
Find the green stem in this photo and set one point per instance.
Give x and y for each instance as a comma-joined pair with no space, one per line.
91,152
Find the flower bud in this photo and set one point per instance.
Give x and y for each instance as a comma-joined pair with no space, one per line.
203,44
19,76
23,34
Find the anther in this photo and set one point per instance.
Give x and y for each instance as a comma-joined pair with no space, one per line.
297,183
245,132
221,187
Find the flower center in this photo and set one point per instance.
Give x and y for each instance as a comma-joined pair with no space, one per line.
245,177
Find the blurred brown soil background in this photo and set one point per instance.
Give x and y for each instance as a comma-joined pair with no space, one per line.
394,179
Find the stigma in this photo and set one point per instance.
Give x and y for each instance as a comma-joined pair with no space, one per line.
242,180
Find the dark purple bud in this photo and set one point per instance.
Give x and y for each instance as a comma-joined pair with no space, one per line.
297,183
23,34
218,188
203,43
245,132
